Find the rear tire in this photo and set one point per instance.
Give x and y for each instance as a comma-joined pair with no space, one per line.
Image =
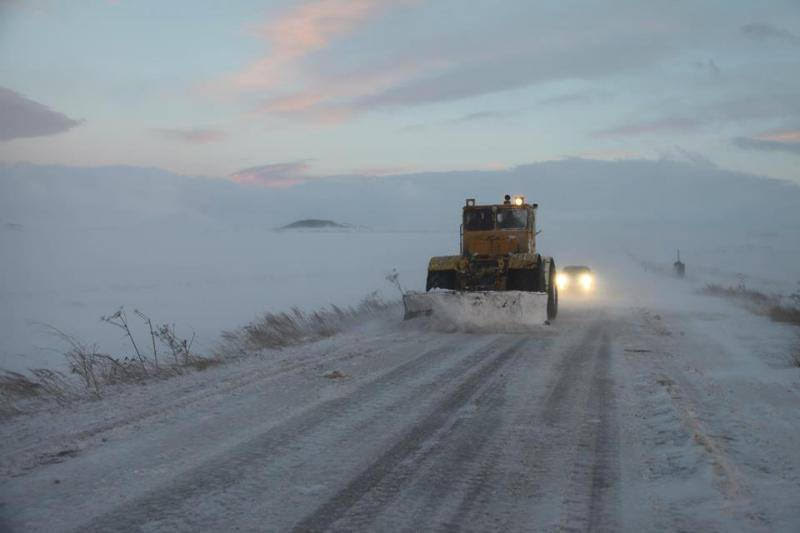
552,293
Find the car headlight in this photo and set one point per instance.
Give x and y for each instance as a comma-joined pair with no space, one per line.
586,281
562,281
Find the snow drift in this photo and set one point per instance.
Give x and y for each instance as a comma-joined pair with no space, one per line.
479,311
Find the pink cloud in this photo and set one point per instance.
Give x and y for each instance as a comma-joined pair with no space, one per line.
789,136
330,100
301,31
293,103
275,175
290,86
772,141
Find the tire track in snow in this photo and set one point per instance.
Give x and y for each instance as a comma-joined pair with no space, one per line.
590,503
450,475
224,472
340,504
544,421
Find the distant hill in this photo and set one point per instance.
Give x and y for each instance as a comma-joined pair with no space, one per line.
314,223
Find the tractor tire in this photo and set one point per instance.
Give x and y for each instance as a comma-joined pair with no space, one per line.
552,294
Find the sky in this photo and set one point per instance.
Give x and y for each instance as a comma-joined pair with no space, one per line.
276,92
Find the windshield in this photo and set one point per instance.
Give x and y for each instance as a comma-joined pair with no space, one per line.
478,219
512,218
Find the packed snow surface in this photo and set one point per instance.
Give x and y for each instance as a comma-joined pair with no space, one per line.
627,414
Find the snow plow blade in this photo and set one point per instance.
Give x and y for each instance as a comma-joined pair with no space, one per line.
500,310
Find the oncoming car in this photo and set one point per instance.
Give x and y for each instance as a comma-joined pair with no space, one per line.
575,278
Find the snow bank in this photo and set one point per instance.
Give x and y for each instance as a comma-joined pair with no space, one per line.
480,311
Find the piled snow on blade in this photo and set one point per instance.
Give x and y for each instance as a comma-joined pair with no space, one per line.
479,311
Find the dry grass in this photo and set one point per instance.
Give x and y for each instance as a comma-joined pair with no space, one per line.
41,383
279,330
742,293
790,315
92,371
776,307
785,309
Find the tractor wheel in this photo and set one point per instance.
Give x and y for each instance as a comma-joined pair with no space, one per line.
552,294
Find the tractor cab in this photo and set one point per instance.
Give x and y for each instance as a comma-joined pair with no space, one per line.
501,229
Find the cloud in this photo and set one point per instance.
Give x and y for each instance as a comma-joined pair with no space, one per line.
786,136
780,141
21,117
679,153
330,61
663,125
607,155
275,175
480,115
301,31
471,73
384,171
477,116
580,97
762,32
765,106
194,136
330,99
310,74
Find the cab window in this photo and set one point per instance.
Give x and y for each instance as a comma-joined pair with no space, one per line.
478,219
512,218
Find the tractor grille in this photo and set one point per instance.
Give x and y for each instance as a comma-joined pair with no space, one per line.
482,264
484,275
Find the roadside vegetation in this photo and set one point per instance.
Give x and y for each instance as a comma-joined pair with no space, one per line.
161,353
278,330
779,308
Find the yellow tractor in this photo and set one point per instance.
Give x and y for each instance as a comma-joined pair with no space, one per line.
498,254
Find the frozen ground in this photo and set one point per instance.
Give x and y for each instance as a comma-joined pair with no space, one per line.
661,410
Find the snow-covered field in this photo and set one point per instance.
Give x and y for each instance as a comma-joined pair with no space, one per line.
202,254
202,280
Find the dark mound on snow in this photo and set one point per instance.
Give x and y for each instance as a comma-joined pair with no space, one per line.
313,223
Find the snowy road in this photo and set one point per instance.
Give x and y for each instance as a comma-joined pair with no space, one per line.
615,417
